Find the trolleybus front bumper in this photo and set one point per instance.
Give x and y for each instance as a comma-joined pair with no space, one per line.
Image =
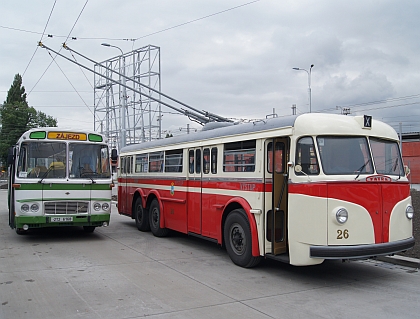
361,251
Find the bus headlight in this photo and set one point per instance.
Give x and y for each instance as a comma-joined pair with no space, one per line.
105,206
409,212
34,208
24,208
341,215
97,206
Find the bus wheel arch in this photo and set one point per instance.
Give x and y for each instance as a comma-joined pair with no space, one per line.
237,238
155,222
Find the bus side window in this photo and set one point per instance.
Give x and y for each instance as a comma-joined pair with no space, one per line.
214,160
198,161
206,160
306,156
191,161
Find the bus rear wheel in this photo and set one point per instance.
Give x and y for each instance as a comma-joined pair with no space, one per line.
142,219
154,219
238,239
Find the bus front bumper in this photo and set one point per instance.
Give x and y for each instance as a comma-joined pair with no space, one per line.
361,251
48,221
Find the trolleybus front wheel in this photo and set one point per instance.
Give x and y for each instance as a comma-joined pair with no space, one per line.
142,219
238,240
154,219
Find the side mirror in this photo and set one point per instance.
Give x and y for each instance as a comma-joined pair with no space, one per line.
11,156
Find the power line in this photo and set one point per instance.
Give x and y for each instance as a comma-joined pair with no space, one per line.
60,48
36,49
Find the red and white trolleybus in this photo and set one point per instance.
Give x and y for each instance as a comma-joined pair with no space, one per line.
300,189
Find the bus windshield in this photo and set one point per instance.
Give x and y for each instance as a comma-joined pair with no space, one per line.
42,159
49,160
386,155
345,155
89,160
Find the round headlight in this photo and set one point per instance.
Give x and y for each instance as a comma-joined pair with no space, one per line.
409,212
342,215
105,206
96,206
34,208
24,208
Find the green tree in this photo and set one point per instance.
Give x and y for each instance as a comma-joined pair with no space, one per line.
17,117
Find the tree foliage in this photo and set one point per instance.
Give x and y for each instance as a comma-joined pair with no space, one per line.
17,117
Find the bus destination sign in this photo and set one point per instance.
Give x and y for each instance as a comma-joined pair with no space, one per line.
67,136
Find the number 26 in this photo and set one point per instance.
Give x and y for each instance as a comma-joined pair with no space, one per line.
342,234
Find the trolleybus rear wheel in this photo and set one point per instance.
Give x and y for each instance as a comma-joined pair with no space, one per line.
154,219
238,239
142,219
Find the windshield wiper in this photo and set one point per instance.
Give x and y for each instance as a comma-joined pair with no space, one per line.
359,171
45,174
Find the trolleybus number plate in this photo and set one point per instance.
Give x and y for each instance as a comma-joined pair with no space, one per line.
60,219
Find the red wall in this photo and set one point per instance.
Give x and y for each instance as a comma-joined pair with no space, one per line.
411,157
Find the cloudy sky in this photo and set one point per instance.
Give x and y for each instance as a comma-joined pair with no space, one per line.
234,58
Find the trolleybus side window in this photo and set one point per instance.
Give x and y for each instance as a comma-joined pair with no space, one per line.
198,161
239,156
142,163
214,160
344,155
386,155
191,161
278,157
173,161
306,156
206,160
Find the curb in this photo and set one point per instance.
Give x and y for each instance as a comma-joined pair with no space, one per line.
401,261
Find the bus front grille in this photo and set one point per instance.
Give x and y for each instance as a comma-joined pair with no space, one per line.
63,208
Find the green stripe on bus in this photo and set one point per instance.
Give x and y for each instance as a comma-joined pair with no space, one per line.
62,199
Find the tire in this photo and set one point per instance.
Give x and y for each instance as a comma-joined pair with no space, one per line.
154,220
238,239
142,219
89,229
20,231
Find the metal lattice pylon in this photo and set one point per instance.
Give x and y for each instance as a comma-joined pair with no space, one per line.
125,116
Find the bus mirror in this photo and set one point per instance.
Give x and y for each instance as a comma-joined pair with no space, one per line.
406,170
10,156
298,168
114,155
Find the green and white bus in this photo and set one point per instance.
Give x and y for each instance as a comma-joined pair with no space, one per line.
59,178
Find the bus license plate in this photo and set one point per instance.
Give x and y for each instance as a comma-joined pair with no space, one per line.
60,219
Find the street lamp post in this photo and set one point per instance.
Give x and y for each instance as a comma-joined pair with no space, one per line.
123,95
309,84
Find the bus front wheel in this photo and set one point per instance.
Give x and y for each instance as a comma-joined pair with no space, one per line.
142,219
238,239
89,229
154,219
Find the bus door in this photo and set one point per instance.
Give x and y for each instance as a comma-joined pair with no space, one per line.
194,190
276,151
123,196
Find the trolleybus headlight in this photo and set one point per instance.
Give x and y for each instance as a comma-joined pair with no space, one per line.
409,212
24,208
97,206
105,206
34,208
342,215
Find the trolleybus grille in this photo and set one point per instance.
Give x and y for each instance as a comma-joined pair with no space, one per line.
62,208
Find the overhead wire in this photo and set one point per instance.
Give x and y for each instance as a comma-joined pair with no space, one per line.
43,32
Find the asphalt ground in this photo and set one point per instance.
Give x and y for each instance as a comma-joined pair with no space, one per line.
120,273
